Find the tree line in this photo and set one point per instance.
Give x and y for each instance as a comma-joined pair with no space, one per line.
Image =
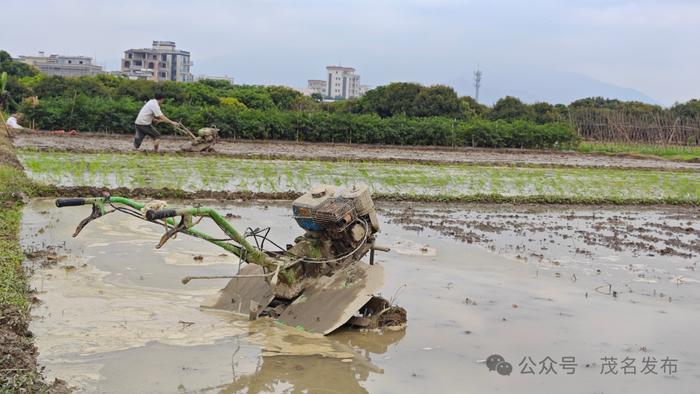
397,113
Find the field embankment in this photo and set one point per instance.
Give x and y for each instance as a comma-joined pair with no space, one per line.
18,368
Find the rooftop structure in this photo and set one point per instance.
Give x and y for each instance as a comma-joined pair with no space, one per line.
163,62
63,65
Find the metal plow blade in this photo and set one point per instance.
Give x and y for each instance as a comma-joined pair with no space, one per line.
248,294
330,302
326,303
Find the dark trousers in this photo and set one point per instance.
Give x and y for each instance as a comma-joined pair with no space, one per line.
142,131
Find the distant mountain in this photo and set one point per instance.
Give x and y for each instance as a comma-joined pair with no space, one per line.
554,87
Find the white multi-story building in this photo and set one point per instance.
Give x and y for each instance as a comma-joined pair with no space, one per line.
162,62
64,66
342,83
318,86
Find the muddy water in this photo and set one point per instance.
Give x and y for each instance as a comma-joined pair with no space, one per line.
114,316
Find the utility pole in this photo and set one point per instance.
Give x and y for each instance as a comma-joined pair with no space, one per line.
477,83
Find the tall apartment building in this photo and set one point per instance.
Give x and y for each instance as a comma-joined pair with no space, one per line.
318,86
342,83
64,66
162,62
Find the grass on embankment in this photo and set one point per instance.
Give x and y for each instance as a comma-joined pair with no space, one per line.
18,368
668,152
14,376
417,182
13,284
13,183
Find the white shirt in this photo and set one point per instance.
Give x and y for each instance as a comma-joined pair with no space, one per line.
149,110
12,123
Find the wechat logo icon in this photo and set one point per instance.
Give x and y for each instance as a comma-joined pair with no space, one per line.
497,363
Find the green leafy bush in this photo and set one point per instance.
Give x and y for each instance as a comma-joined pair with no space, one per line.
117,115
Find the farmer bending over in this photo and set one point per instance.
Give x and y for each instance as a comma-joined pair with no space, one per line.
149,113
13,122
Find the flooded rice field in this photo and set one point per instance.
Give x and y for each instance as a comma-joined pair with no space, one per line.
212,173
558,291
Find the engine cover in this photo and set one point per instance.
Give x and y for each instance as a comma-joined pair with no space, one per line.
304,208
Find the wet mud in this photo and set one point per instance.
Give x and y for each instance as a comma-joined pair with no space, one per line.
120,320
352,152
18,354
561,230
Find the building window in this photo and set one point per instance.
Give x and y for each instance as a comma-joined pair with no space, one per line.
81,62
164,57
162,74
155,57
70,61
150,65
137,62
127,64
130,56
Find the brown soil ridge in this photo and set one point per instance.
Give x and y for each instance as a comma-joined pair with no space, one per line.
18,355
292,150
7,151
168,193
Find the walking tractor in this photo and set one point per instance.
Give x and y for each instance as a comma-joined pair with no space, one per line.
318,283
203,141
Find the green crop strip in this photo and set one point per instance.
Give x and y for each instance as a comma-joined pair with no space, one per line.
460,181
671,152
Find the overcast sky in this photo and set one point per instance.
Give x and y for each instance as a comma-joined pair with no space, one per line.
650,46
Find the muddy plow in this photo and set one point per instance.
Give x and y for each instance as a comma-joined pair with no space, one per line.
201,141
317,283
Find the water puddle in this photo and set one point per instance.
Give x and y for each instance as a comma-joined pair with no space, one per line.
113,316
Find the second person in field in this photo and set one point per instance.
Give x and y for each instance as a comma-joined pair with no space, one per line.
150,113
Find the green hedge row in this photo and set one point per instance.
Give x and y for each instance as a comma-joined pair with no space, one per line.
117,115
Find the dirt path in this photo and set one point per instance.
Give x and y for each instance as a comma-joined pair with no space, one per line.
327,151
